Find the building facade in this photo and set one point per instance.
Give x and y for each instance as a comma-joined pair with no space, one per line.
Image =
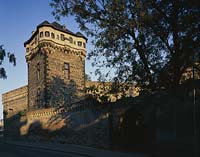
56,61
55,58
56,70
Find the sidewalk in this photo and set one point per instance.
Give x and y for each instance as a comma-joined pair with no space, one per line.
74,149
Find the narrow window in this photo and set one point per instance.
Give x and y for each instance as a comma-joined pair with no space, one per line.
58,37
41,34
71,40
52,36
84,45
62,37
66,70
38,70
47,34
79,43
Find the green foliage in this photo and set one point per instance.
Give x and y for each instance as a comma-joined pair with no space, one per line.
11,59
22,113
148,42
60,93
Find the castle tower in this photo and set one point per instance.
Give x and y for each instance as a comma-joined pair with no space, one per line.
56,66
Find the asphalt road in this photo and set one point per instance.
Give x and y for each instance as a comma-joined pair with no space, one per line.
7,150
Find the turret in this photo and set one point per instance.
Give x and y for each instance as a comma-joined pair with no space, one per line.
56,66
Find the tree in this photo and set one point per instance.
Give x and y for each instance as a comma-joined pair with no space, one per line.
11,58
148,42
87,77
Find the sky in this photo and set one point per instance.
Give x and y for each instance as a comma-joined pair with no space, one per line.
18,19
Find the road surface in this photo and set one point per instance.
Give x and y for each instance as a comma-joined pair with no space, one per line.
7,150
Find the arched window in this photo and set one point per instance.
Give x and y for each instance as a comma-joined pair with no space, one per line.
41,34
52,36
47,34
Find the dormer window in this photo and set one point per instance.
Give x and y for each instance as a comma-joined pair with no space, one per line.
41,34
52,36
47,34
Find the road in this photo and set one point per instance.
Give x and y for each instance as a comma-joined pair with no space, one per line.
7,150
13,148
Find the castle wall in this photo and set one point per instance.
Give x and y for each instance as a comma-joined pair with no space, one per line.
77,125
15,101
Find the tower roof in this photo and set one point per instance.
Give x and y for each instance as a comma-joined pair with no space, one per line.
56,26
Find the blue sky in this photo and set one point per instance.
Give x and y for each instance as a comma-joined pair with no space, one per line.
18,19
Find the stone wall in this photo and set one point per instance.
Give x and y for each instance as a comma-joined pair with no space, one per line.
78,125
55,74
36,81
15,101
47,76
50,48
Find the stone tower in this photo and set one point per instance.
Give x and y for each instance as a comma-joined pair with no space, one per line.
56,66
